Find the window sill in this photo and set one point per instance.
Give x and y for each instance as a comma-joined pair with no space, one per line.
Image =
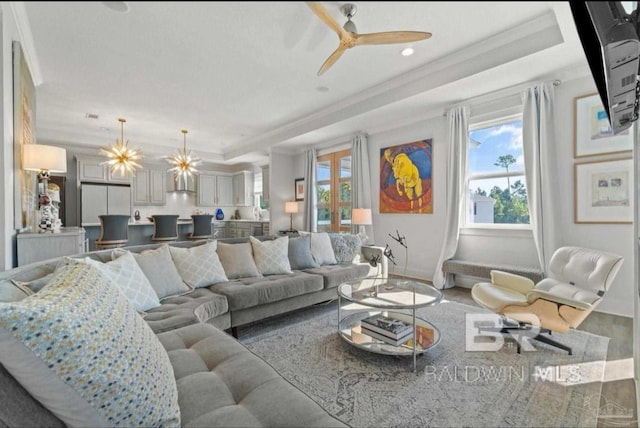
502,230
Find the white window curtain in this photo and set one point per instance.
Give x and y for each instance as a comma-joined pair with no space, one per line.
458,138
538,140
309,203
360,177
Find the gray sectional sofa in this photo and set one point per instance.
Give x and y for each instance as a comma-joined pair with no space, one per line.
219,381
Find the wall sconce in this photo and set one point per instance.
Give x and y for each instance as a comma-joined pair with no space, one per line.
362,217
291,208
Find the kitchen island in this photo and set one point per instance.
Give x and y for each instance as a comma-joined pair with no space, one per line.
140,232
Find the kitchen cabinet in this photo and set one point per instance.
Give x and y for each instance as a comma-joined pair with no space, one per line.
149,187
243,189
220,229
99,199
36,247
242,229
214,190
265,184
94,170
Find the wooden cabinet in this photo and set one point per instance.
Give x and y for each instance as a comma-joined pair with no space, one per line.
35,247
242,229
99,199
214,190
220,229
94,170
243,189
265,184
149,187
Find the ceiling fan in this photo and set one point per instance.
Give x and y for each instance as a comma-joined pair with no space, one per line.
349,36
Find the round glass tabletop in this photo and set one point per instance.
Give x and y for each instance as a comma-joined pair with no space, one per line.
390,293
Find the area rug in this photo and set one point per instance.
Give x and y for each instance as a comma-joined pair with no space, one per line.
452,386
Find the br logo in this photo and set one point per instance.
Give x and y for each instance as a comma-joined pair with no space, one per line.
487,332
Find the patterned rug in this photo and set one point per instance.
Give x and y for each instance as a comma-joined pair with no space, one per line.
452,387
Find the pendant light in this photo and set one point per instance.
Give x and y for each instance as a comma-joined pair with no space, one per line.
183,163
122,159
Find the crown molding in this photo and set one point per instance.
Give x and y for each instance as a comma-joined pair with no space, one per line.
19,13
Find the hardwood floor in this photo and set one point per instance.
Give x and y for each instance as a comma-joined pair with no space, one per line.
618,388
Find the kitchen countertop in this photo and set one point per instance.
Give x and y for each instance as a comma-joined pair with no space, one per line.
148,223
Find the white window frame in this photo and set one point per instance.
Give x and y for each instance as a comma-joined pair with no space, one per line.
473,126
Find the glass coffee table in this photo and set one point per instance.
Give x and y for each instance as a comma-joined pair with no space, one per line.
394,298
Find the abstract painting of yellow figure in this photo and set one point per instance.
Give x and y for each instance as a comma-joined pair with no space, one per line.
405,178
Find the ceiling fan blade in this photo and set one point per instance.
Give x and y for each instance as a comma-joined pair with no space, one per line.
390,37
326,17
332,59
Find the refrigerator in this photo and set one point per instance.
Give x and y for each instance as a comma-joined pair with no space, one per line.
99,199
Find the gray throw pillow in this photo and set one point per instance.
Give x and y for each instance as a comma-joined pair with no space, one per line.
35,285
160,270
237,260
345,246
300,253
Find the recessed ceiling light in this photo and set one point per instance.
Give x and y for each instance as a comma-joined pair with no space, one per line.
118,6
91,116
322,89
407,52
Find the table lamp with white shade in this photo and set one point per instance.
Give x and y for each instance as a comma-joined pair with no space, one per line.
362,217
45,160
291,208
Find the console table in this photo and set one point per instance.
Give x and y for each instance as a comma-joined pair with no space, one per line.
34,247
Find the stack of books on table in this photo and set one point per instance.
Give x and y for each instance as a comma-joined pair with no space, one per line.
387,329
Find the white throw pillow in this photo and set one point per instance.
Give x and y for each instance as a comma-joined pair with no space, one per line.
199,266
126,274
237,260
79,347
160,270
321,248
271,257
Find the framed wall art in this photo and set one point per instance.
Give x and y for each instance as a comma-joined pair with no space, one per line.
299,189
603,191
592,132
405,178
24,122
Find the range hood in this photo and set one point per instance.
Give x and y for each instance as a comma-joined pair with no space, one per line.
180,184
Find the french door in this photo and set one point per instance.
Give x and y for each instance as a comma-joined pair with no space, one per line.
333,181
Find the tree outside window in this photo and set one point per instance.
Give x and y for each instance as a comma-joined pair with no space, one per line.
495,178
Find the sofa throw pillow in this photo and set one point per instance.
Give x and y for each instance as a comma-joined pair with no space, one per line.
271,257
237,260
160,270
125,273
321,248
80,348
346,247
199,266
12,291
300,253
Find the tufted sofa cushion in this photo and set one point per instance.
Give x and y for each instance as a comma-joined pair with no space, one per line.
249,292
221,383
201,305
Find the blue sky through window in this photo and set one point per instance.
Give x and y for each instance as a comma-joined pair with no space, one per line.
495,141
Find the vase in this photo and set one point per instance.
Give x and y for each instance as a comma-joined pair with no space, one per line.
219,214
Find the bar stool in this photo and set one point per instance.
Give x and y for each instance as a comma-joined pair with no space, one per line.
165,228
114,231
201,226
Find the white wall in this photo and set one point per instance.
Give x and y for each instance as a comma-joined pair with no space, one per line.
8,233
616,238
424,233
281,172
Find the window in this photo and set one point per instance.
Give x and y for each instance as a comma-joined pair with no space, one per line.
333,189
495,173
